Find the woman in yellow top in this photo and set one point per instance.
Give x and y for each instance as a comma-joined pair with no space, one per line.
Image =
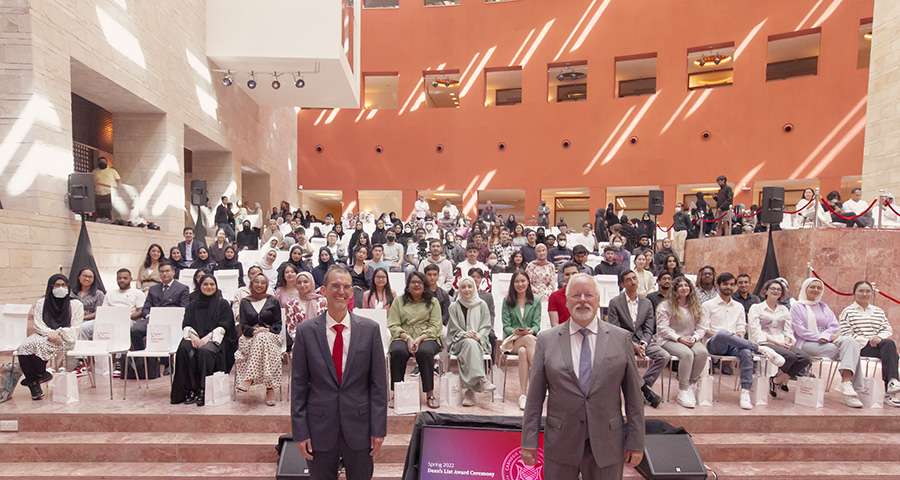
415,325
521,315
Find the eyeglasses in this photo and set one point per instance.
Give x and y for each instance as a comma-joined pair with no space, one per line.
337,287
416,282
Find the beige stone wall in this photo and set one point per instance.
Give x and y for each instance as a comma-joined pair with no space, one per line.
144,61
881,161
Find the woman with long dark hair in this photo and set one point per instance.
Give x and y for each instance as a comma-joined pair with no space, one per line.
148,273
516,262
88,293
379,294
521,314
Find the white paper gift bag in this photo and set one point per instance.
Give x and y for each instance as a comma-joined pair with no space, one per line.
159,338
451,393
872,394
810,392
217,391
64,387
705,391
497,379
406,397
759,391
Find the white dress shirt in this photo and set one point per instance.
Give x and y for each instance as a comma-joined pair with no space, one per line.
331,336
724,315
576,338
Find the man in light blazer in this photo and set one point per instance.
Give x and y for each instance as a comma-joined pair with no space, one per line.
588,366
634,313
339,387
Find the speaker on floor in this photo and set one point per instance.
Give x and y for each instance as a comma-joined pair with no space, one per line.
671,457
291,463
656,202
81,192
772,206
198,192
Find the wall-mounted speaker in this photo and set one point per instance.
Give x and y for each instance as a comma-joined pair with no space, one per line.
657,202
81,192
772,206
198,192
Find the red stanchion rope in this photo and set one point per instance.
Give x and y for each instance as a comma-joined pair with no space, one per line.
891,206
827,285
850,218
715,219
801,208
664,229
748,216
888,297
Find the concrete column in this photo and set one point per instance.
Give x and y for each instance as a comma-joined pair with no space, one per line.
598,200
349,202
409,202
532,202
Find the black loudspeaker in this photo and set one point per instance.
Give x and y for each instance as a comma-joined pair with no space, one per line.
198,192
671,457
81,192
656,202
291,464
772,206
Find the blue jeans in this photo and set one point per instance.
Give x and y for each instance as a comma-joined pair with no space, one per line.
724,343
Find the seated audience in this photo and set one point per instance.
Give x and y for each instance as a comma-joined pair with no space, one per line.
230,262
643,246
530,244
210,338
258,356
247,239
818,333
393,252
437,258
706,280
661,259
833,199
680,325
663,285
672,266
453,251
503,248
743,295
479,276
198,276
204,260
217,248
188,247
586,238
608,265
468,337
868,325
377,262
634,313
148,273
516,262
561,253
243,292
622,255
124,296
296,258
556,306
769,324
470,262
326,261
267,264
379,294
358,273
415,324
273,232
88,293
57,320
308,304
432,274
167,293
177,261
541,274
518,236
644,277
726,328
493,264
286,285
521,314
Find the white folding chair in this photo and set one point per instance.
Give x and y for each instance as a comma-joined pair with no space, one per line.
870,361
173,317
608,287
398,280
379,315
112,335
186,277
13,328
228,282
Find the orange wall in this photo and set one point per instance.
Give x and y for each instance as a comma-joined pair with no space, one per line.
745,120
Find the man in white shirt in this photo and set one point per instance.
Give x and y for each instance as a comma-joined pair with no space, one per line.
449,209
436,257
586,238
125,296
857,205
726,331
471,261
421,207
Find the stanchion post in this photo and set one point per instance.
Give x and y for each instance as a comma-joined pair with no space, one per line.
816,210
874,290
880,205
808,269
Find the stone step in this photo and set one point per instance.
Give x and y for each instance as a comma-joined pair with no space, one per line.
160,471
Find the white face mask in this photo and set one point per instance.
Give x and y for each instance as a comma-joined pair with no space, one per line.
677,209
60,292
492,262
562,244
617,244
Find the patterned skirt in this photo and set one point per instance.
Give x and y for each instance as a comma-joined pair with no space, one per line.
258,359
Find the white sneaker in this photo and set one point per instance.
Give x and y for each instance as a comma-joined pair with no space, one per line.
469,398
746,404
772,356
891,400
846,389
893,386
686,398
522,399
851,401
485,385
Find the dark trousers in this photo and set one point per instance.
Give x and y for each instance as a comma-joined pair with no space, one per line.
138,333
424,358
795,360
588,468
886,351
103,204
32,367
358,464
195,364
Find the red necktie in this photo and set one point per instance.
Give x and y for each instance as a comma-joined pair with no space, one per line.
337,352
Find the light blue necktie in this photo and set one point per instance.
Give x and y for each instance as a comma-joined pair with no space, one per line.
584,368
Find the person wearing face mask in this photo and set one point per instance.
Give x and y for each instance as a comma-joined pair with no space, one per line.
393,252
681,226
622,256
561,253
105,178
247,239
430,230
543,211
493,264
57,321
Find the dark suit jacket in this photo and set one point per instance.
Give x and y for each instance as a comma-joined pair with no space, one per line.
642,328
195,246
614,374
320,406
178,295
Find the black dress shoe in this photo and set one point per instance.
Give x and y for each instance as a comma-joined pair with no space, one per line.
652,398
36,392
772,390
201,398
25,382
45,377
190,398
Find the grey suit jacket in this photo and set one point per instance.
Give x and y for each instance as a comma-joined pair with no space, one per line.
614,372
643,327
320,406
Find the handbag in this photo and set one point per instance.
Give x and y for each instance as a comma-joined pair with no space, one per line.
759,391
217,391
507,345
10,373
497,377
406,398
451,393
64,387
810,392
705,391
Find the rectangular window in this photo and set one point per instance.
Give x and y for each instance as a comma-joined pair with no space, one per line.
380,91
502,86
381,3
710,66
567,82
635,75
442,89
864,40
792,55
441,3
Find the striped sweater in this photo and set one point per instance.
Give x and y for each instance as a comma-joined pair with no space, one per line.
864,323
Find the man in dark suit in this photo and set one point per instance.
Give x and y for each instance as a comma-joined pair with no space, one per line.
339,387
189,247
222,219
169,293
588,366
634,313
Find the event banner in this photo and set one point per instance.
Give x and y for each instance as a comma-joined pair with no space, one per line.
450,453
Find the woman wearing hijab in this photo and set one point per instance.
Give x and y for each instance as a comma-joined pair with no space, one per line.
230,262
818,333
295,259
325,262
511,222
354,239
258,357
611,218
379,235
645,226
267,264
247,239
204,260
177,261
308,304
57,321
541,273
242,292
467,334
601,230
208,346
662,255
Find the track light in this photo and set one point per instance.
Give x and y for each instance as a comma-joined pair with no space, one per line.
226,80
717,60
434,84
251,84
299,83
561,77
702,62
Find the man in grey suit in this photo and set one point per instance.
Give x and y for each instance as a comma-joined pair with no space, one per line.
588,366
634,313
339,387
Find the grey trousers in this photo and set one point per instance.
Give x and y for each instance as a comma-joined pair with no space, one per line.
845,351
691,361
588,468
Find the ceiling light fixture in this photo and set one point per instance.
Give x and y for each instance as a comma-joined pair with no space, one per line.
868,36
298,80
251,84
226,80
712,60
275,83
444,82
570,76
